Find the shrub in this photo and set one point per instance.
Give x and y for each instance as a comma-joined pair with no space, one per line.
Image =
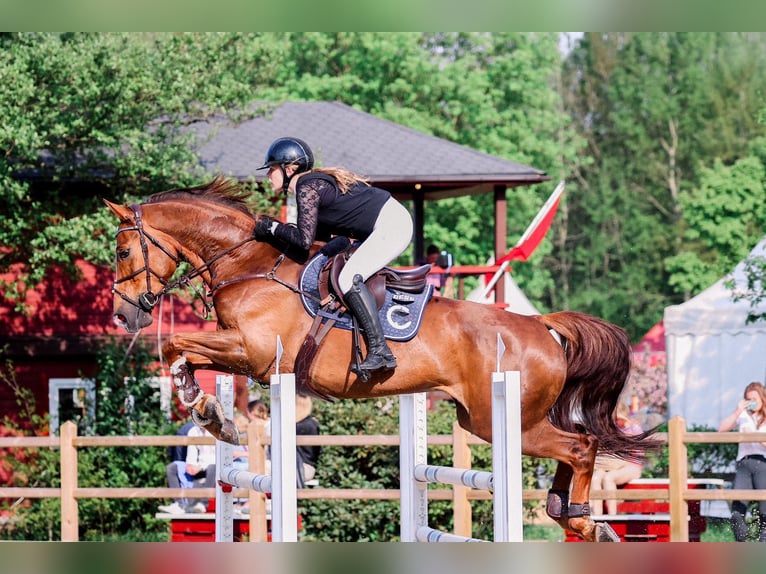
126,404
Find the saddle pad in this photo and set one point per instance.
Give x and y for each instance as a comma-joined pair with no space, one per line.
400,315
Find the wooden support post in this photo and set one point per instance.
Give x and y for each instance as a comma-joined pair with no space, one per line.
69,518
501,236
678,473
256,432
461,458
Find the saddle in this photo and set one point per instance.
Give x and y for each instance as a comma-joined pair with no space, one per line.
388,286
408,281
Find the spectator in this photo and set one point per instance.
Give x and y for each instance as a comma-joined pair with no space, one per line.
198,471
176,469
177,453
749,416
609,472
257,410
435,257
307,455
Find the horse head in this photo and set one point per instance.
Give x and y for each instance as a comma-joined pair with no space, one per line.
144,266
208,226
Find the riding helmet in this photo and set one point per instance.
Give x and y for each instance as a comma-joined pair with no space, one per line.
289,150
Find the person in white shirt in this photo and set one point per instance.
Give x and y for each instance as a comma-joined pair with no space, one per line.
199,471
749,416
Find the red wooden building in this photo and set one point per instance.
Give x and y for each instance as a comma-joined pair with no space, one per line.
54,338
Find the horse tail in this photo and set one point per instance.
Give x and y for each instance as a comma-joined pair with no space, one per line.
598,355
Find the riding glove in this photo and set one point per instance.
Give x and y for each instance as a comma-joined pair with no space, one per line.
264,227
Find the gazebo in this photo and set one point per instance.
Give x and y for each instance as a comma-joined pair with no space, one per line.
412,165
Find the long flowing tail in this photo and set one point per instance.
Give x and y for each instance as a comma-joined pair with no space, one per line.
598,364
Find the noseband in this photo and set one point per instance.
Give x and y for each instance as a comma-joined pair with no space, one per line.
148,299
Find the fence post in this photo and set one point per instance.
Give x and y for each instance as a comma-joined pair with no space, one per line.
69,518
678,473
257,464
461,458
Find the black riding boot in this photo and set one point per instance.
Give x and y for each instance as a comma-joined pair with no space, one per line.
739,526
362,304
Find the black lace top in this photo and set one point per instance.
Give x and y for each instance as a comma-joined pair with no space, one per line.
323,211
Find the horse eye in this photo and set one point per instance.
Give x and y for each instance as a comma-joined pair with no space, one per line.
123,253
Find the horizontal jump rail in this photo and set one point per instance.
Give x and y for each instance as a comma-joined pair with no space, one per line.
248,480
478,479
428,534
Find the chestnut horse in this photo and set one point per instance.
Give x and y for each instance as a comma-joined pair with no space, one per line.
573,366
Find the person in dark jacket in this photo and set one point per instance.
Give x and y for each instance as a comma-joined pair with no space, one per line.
337,202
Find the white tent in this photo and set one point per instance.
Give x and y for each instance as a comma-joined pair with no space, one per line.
712,353
514,297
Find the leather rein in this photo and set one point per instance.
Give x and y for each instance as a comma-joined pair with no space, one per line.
147,300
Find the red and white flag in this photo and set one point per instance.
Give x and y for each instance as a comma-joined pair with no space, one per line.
531,238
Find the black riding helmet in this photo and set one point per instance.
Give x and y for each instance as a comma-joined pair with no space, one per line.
286,151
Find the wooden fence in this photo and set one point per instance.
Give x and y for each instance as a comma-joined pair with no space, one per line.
69,442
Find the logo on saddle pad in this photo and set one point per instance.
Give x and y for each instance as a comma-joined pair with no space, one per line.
400,314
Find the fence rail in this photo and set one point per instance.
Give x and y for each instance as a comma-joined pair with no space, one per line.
677,493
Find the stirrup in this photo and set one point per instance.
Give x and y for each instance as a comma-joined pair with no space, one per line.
381,362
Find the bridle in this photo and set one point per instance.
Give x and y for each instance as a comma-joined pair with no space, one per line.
147,300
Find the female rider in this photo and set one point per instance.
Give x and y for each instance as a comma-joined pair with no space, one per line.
337,202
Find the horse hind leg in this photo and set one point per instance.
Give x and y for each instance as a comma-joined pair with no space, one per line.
575,454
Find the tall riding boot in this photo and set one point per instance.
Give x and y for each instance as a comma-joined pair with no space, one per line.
362,304
739,526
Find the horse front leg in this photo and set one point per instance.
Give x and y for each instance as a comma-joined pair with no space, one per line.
222,350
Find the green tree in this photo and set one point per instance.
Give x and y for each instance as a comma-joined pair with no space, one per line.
649,104
493,92
96,114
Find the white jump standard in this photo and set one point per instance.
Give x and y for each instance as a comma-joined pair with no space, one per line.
504,480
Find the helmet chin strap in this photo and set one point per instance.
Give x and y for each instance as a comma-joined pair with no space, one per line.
285,178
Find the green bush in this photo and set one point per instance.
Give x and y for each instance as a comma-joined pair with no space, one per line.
378,467
126,404
705,460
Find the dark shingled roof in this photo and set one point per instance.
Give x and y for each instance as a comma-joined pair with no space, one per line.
390,155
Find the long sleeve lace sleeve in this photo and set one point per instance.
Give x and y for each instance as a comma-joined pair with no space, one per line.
303,235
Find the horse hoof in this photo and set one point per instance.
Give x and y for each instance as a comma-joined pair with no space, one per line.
229,433
226,432
605,533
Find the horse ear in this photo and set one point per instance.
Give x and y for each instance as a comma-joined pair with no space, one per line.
122,212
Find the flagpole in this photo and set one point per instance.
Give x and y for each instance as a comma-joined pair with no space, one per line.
554,197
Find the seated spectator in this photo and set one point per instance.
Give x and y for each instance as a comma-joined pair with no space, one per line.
198,471
307,455
609,472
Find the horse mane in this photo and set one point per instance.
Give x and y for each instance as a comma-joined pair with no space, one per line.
221,190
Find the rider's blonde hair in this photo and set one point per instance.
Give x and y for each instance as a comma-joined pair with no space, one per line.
344,177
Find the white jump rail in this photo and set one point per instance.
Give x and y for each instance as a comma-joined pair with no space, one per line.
504,480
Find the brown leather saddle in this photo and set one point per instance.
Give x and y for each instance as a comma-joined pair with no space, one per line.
333,307
407,280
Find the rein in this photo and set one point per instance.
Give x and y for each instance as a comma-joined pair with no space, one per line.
148,299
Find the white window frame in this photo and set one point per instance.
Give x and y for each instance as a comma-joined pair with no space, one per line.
55,386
